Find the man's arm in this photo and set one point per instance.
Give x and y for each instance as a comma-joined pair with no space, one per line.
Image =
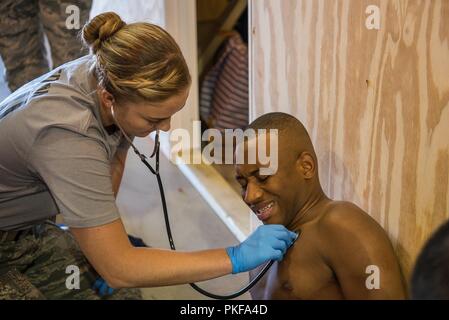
353,242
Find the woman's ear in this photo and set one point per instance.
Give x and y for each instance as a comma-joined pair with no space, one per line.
107,99
306,165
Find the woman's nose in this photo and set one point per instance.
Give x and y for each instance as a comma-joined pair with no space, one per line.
164,125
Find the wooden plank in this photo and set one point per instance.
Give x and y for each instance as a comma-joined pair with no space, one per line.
180,20
210,10
375,102
230,18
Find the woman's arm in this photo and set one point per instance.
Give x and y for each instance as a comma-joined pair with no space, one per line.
118,167
109,251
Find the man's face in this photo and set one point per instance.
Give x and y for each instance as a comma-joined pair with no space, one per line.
140,119
273,198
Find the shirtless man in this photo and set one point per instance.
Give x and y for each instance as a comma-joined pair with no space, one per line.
338,240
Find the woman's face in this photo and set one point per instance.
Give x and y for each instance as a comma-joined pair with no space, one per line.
142,118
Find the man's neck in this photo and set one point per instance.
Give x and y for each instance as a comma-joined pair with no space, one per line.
310,210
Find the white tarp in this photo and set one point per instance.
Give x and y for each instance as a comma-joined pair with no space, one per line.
152,11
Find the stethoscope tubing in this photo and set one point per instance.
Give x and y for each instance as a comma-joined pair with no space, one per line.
156,172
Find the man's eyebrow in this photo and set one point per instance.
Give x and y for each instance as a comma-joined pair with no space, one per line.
241,176
252,173
156,119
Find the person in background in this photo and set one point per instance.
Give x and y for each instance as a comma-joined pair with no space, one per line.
23,27
430,277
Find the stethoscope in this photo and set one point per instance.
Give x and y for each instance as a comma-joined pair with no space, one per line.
156,172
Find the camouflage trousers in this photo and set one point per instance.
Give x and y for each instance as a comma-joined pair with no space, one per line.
35,267
23,24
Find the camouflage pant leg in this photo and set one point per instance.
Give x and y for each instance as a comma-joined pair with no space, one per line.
62,21
21,42
44,261
16,286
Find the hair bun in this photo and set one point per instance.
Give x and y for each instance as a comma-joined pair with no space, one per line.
101,28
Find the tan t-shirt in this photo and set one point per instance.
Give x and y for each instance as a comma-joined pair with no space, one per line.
55,153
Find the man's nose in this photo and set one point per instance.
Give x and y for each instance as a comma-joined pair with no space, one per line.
253,193
164,125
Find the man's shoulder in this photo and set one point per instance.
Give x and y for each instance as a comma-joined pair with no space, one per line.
335,211
342,217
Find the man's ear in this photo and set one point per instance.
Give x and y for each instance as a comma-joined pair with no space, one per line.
306,165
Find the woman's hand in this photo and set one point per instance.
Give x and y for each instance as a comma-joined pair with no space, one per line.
268,242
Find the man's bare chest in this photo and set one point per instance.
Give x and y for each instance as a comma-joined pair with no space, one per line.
303,274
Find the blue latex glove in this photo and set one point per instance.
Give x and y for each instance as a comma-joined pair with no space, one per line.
137,242
268,242
100,286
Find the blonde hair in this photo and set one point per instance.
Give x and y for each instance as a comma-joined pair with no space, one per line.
135,61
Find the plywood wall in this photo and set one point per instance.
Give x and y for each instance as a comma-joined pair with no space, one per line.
375,102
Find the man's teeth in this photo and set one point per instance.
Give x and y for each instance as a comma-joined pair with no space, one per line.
264,209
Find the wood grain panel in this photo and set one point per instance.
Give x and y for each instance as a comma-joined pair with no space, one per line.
375,102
